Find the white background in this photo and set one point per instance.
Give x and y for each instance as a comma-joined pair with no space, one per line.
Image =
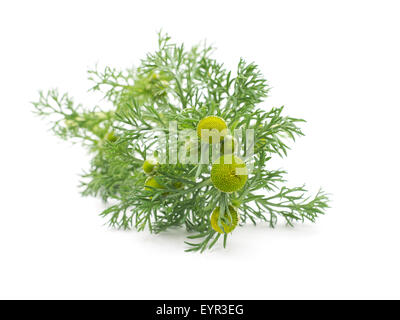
334,63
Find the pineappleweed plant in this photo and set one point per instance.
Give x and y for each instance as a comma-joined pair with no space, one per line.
190,88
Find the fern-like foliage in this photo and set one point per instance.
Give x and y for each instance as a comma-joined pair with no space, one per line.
175,84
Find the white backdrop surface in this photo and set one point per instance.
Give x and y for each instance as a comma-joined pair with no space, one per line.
334,63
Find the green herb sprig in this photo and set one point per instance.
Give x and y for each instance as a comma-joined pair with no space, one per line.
184,86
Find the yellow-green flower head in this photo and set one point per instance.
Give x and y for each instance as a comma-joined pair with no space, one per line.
217,129
228,223
229,173
149,165
151,183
